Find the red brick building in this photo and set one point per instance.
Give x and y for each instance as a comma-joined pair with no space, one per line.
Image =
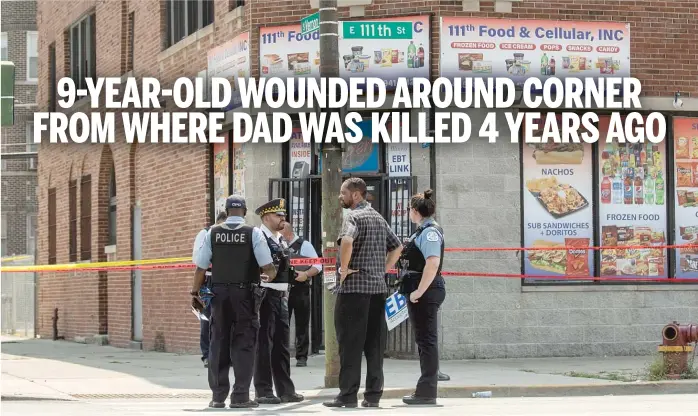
91,196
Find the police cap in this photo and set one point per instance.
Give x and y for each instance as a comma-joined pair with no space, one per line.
235,201
277,206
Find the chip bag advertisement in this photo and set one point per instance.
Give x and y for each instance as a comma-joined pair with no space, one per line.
558,212
686,201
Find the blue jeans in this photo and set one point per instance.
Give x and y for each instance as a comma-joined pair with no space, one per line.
205,337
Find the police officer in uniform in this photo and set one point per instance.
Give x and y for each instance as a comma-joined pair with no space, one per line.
421,281
235,252
205,336
299,297
273,361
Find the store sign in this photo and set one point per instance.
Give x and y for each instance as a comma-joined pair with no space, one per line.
632,210
399,160
521,49
300,162
558,209
389,49
231,60
686,200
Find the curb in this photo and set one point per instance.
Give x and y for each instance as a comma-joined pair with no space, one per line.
452,392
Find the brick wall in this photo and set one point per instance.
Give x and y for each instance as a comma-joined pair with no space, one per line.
170,184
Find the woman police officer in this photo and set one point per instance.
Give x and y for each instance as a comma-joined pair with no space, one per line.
421,281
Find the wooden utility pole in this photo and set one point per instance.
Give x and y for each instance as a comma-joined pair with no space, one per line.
331,182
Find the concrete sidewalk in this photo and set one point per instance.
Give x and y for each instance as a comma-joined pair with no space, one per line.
36,369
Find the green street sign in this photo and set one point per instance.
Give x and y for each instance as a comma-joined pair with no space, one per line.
7,94
310,23
377,30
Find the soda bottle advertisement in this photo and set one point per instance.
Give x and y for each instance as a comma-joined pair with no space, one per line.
685,203
558,211
632,210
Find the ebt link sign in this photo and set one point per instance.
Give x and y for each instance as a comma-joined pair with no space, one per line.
395,310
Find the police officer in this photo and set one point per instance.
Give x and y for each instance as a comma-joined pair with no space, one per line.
421,281
205,336
273,361
299,297
235,252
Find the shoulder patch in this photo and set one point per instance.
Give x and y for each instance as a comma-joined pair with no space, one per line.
432,236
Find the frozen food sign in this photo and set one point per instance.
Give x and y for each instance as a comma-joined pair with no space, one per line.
520,49
387,48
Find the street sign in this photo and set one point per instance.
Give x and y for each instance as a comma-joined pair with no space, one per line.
310,23
377,30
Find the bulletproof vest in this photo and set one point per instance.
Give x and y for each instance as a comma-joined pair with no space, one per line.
280,256
208,271
295,253
233,259
412,258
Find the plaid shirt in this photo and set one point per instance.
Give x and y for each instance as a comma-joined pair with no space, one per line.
373,239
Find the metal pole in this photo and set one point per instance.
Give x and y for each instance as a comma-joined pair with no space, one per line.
331,182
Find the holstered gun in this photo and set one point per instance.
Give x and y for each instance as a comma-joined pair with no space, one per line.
408,282
258,293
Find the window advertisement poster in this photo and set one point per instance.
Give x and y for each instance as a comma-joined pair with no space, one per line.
389,49
300,161
239,168
399,171
632,209
360,157
231,61
221,179
686,201
521,49
558,210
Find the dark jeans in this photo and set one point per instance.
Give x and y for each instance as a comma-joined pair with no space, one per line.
234,327
424,315
205,336
360,324
273,360
299,304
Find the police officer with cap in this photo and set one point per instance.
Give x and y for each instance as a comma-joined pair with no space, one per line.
236,252
273,361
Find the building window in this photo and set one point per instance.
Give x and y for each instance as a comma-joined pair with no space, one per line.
3,47
185,17
31,146
52,77
73,220
112,208
52,226
32,56
86,217
234,4
83,51
4,235
31,234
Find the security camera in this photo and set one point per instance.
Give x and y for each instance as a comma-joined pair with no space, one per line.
678,103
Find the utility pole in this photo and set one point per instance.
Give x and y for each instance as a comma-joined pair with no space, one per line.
331,182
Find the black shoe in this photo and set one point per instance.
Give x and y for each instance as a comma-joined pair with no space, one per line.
366,403
244,405
216,405
413,399
443,377
268,399
303,362
339,403
292,398
205,362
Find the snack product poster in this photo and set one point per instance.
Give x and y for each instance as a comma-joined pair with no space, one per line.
558,209
686,203
221,179
389,48
520,49
632,207
239,168
231,60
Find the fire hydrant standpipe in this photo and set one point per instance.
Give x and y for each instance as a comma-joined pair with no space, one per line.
675,347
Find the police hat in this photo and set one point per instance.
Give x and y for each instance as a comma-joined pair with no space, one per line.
235,201
277,206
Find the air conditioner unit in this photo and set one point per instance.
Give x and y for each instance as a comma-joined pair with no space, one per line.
33,163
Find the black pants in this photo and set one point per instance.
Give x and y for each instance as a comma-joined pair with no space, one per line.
299,304
360,323
234,328
205,334
423,315
273,361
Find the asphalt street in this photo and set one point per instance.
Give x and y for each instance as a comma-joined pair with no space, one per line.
569,406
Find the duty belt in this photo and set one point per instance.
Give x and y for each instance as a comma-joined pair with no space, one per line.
235,285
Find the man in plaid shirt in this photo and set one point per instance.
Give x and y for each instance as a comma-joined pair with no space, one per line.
368,249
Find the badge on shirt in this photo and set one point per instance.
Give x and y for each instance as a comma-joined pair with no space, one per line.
432,236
